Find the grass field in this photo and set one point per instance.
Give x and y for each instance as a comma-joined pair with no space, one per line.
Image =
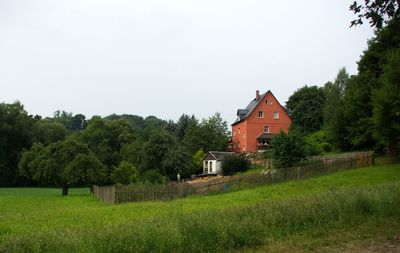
41,220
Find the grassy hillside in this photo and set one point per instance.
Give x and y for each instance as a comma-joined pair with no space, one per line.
40,220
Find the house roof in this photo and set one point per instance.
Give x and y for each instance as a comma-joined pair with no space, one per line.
245,113
217,155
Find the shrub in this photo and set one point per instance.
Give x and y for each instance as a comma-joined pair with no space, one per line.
125,173
288,149
235,163
153,177
318,143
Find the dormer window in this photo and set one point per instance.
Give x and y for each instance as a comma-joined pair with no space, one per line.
260,114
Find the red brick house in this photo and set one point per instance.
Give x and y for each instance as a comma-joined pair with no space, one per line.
255,125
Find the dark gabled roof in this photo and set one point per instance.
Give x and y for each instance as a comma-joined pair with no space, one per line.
217,155
245,113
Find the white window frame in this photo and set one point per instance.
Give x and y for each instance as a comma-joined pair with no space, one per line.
260,114
276,115
266,128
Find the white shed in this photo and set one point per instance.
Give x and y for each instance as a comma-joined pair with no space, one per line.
212,162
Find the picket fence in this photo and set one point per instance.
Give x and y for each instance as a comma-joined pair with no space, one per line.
324,165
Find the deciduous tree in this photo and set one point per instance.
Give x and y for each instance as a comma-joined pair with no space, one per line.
305,106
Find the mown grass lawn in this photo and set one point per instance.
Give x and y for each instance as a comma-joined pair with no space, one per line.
79,221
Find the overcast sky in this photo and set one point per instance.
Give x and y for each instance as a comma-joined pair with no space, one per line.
165,58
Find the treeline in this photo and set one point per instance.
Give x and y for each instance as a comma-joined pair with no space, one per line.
69,149
355,112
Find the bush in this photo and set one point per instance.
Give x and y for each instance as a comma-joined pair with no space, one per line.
318,143
288,149
125,173
153,177
235,163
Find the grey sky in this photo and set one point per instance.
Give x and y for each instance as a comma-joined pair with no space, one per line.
165,58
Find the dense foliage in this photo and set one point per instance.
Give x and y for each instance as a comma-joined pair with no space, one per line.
16,134
235,163
288,149
376,12
360,111
67,149
305,106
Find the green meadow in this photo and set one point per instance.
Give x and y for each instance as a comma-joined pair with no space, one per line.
41,220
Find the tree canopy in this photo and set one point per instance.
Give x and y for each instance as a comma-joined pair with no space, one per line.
305,106
67,150
377,12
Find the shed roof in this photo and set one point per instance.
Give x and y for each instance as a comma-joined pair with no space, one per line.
217,155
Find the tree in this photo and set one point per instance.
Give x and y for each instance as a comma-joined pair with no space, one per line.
177,160
288,149
77,123
134,154
377,12
334,123
359,94
101,140
386,103
198,158
16,134
210,134
182,125
305,106
124,173
47,132
155,151
62,164
122,133
218,132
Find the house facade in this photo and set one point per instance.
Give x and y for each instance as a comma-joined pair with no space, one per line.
255,125
212,162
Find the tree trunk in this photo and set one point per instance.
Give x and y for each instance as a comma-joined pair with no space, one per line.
65,190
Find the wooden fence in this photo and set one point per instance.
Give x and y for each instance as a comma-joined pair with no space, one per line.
324,165
105,193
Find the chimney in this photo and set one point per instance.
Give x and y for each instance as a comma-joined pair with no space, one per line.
257,95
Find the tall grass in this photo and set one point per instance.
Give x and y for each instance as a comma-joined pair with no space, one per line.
222,229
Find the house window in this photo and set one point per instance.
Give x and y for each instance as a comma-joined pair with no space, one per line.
276,115
210,167
260,114
266,129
